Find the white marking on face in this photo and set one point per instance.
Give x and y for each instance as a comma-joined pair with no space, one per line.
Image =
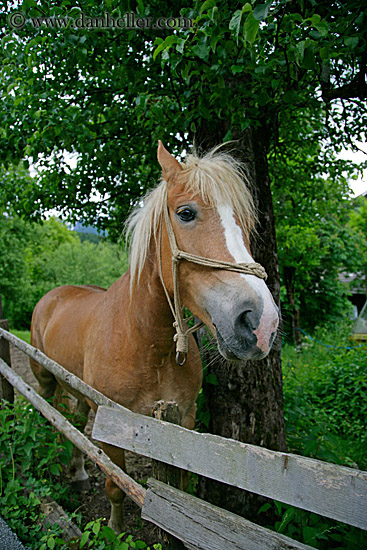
237,248
233,234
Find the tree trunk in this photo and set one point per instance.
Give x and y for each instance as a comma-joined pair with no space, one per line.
247,403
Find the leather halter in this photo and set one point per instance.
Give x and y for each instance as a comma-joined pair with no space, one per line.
182,331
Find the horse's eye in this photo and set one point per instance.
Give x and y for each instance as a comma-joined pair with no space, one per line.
186,214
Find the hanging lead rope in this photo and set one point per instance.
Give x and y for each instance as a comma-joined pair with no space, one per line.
182,332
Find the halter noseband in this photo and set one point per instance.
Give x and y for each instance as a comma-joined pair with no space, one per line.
182,332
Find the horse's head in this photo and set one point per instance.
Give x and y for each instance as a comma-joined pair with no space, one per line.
211,214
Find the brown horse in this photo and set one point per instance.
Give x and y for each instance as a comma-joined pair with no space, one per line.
121,340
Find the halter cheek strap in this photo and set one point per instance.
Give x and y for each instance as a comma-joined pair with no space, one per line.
182,331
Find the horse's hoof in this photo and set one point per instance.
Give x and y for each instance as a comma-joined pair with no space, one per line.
81,485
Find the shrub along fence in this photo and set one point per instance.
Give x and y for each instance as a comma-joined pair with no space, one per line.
329,490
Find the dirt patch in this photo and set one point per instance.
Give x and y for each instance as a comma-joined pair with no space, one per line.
94,503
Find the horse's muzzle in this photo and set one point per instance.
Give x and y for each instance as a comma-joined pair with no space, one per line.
245,328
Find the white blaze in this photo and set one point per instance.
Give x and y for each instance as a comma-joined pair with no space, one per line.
237,248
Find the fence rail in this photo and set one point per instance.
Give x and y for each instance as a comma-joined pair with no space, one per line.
333,491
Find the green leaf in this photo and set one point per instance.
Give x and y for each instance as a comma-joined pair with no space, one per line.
28,4
140,7
288,516
246,8
96,527
235,22
168,42
325,52
30,44
237,69
262,98
264,508
351,41
309,534
55,469
109,533
316,18
180,45
158,49
308,58
207,5
261,11
201,49
84,539
140,544
212,378
322,27
301,49
250,28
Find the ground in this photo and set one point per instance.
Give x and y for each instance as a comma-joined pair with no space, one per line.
94,503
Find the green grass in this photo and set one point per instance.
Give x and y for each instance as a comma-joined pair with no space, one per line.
22,334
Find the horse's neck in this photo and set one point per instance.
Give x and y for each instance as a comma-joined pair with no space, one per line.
147,310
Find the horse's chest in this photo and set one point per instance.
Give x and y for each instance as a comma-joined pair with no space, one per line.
163,383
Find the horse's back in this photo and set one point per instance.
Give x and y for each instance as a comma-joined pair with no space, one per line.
61,321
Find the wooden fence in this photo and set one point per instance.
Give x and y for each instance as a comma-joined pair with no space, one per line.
329,490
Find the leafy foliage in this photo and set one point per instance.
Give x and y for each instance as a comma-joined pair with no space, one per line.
97,537
325,398
105,97
31,459
36,258
358,222
316,241
314,530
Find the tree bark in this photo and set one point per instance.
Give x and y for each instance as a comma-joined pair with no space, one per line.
247,403
6,389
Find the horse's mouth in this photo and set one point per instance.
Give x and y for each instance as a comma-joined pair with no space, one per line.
225,349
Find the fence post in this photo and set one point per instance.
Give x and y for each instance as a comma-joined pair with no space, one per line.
168,411
6,389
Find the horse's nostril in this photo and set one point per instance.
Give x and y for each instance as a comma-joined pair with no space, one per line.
245,319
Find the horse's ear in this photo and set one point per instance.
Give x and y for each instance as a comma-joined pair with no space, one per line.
170,166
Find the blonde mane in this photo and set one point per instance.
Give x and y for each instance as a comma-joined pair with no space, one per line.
217,177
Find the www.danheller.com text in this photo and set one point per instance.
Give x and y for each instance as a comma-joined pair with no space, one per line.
18,20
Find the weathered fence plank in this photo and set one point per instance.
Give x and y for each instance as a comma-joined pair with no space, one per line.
326,489
168,411
133,489
6,389
202,526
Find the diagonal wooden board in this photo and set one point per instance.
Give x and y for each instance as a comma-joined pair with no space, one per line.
201,525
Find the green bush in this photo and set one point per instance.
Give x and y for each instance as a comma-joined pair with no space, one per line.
34,258
325,399
31,459
30,465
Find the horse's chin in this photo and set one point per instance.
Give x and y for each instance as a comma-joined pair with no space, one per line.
230,354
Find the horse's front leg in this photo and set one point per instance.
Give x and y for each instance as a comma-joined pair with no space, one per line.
80,479
114,493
